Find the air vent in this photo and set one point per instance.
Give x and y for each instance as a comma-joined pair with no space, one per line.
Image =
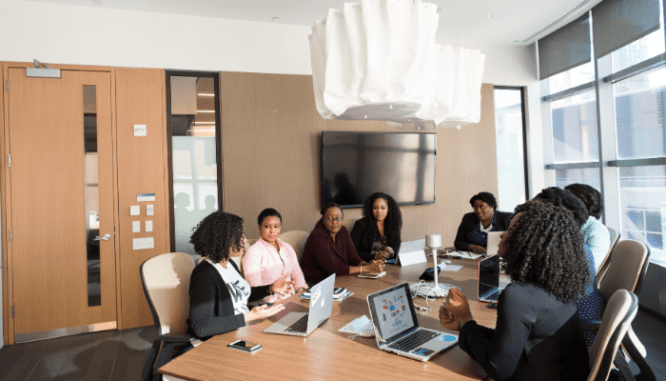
556,22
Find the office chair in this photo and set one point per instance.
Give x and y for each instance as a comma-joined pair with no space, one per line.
601,271
166,283
620,312
297,239
626,270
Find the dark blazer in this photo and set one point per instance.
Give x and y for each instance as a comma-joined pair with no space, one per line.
211,309
363,235
470,222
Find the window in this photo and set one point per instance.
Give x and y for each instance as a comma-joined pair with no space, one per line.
193,123
510,132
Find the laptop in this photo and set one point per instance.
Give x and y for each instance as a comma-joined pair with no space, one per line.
397,327
411,252
304,323
493,243
488,289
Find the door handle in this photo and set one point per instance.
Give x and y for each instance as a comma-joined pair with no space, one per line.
105,237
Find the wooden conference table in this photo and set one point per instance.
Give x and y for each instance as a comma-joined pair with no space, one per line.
331,355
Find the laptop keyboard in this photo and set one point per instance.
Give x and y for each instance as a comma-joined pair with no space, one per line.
492,295
414,340
300,325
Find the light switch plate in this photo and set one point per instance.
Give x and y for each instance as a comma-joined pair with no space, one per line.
149,226
136,226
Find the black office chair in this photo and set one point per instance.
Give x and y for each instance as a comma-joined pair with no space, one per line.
166,283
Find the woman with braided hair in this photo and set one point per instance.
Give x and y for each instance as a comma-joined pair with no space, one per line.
538,334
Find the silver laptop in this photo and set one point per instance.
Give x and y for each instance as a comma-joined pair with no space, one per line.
409,247
304,323
397,326
488,289
493,243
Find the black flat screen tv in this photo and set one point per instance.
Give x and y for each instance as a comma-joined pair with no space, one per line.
357,164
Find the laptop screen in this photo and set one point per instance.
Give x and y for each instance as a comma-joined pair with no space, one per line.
488,274
393,311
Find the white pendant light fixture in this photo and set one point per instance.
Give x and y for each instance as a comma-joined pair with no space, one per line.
378,60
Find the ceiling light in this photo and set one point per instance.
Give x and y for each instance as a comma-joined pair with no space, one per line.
491,16
206,95
206,111
359,73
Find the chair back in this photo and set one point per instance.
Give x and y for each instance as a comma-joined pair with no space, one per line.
166,283
628,264
297,239
620,312
601,270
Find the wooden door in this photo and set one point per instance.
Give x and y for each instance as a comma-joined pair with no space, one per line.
63,280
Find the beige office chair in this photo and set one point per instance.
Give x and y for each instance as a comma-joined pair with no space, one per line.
601,271
166,283
620,312
297,239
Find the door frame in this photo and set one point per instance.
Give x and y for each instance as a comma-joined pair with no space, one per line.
5,196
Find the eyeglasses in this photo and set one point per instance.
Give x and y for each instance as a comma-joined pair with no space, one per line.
333,219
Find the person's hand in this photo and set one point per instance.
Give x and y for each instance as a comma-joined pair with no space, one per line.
262,312
384,254
477,249
374,267
282,285
455,312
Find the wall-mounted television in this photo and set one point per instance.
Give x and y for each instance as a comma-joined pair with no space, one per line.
357,164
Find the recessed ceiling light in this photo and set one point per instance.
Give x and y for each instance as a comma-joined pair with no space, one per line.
490,16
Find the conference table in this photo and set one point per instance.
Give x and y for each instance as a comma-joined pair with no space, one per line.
327,354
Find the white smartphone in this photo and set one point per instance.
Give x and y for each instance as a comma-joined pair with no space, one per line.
246,346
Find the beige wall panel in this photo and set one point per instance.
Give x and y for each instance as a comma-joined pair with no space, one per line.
271,140
141,163
7,324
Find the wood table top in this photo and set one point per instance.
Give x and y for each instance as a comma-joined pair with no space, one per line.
327,354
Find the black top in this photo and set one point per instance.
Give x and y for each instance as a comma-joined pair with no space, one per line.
211,309
365,233
469,232
537,337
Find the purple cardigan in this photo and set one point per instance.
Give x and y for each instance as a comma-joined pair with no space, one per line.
322,256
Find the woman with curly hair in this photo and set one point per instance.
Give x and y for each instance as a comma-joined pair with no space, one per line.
376,236
597,237
537,334
218,293
473,230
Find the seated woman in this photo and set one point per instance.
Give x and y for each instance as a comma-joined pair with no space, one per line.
474,228
537,334
329,249
591,307
270,259
218,293
377,234
597,237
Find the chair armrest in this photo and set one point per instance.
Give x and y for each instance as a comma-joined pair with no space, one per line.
590,326
636,342
629,344
176,338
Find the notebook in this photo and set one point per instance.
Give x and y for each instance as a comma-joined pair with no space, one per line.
488,288
397,328
302,323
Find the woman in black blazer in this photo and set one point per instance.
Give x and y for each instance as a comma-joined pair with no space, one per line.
218,293
376,236
474,228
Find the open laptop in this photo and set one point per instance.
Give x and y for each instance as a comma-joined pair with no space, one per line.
411,252
397,326
304,323
493,243
488,289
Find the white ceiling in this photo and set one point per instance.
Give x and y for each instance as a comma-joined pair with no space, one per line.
492,21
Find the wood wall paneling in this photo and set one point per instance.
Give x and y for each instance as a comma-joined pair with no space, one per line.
271,135
141,169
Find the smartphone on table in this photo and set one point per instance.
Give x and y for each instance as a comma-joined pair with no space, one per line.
246,346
